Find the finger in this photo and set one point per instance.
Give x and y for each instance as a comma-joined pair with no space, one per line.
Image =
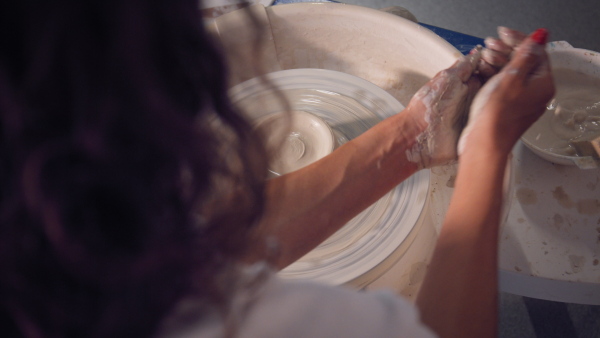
486,70
529,55
473,86
466,65
497,45
541,37
510,37
494,58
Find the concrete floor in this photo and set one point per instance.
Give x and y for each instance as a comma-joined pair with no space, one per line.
577,22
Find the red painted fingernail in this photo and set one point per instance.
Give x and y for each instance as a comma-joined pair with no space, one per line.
540,36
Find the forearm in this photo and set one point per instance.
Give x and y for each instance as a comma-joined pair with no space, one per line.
459,294
307,206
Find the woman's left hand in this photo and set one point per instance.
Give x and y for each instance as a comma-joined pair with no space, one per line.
498,51
442,105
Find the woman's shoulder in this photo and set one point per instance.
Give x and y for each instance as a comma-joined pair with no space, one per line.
265,305
297,308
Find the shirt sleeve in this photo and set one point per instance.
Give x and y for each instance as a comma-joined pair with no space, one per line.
306,309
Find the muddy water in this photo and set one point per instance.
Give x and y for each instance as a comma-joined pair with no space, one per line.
573,115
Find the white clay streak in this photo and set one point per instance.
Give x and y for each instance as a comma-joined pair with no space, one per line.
444,99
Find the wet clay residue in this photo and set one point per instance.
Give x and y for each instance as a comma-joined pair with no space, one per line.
588,206
451,180
573,115
558,221
560,168
592,185
526,196
518,177
576,262
563,199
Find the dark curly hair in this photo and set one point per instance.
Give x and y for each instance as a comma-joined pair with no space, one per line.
128,181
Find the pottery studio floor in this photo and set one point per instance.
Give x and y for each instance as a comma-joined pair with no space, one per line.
573,21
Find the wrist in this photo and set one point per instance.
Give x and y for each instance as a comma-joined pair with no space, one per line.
489,141
417,133
492,135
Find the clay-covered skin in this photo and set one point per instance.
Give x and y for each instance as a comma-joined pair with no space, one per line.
482,98
510,37
494,58
498,51
445,99
448,95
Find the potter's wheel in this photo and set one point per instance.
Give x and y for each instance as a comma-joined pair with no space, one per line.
350,106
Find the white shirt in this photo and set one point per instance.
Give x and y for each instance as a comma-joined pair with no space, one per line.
285,308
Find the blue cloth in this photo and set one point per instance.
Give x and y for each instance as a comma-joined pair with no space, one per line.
463,42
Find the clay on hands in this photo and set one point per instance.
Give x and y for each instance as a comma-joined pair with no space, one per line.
444,102
498,51
510,37
518,94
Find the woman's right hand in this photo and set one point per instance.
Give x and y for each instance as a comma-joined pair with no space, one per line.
513,99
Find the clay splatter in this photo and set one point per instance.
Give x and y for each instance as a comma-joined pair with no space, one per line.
558,220
588,206
576,262
451,180
592,185
526,196
518,177
563,199
560,168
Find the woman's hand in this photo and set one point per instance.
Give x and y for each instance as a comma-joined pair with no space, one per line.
441,107
513,99
498,52
463,301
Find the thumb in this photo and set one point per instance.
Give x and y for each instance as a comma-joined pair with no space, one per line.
466,65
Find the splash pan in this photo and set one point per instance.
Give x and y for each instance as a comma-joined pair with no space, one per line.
574,114
349,105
